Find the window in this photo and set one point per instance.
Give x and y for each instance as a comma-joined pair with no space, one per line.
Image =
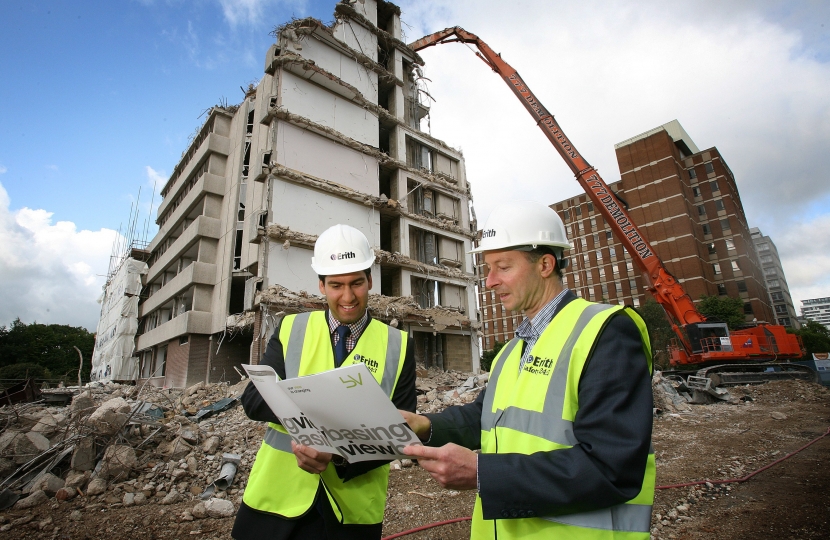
716,269
576,279
578,210
735,266
707,230
721,289
636,302
618,289
593,223
696,191
770,271
585,259
766,259
608,235
590,206
781,309
711,247
709,168
596,239
581,227
701,210
741,286
584,242
566,215
763,247
719,205
724,224
730,244
568,229
612,252
773,283
602,273
714,185
777,296
692,174
784,321
629,266
748,308
632,286
599,254
604,290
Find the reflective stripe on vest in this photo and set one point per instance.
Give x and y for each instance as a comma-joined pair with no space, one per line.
629,520
361,500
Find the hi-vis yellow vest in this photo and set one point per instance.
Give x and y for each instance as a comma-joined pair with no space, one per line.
533,411
276,484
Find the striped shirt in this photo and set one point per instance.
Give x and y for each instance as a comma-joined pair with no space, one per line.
530,329
356,328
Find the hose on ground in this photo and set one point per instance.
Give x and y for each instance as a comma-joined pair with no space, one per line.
671,486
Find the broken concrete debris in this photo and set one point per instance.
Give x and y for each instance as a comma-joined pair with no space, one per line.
182,460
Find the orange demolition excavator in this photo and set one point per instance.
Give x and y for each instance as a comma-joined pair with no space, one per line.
724,356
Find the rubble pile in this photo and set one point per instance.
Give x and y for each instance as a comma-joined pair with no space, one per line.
438,389
119,445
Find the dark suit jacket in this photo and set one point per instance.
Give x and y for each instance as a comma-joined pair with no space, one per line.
612,425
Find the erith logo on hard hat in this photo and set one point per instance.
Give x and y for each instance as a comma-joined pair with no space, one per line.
489,233
341,256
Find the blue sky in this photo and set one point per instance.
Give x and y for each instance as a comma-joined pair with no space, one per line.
98,99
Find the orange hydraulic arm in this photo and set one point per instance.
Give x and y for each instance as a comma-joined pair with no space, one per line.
666,290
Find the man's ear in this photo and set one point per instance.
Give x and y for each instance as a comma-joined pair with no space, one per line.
322,284
547,265
369,281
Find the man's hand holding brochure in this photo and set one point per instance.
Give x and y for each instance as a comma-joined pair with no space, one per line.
342,411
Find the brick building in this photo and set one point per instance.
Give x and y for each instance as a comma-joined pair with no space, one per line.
686,203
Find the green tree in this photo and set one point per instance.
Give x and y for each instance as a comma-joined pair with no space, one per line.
816,338
660,332
50,346
488,356
723,308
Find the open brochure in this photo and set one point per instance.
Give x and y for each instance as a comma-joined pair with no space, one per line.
342,411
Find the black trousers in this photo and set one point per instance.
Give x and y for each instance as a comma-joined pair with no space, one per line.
319,523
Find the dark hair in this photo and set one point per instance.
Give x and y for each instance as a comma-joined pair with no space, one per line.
537,253
368,275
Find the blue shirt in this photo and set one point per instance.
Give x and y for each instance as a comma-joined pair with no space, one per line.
530,329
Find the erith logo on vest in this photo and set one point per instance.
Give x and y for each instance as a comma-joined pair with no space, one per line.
538,365
341,256
373,365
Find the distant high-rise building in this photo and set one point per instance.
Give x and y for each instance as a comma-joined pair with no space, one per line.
779,291
816,309
686,203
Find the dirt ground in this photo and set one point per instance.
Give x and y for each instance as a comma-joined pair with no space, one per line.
711,442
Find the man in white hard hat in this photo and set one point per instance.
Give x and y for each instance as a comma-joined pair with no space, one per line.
564,425
293,491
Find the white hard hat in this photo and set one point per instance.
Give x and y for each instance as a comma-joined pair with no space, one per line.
520,224
341,249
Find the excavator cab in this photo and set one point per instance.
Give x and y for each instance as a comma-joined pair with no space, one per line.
709,337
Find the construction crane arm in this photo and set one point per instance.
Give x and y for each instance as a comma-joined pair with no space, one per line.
663,286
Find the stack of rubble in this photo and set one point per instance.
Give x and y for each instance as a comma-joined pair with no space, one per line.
438,389
123,446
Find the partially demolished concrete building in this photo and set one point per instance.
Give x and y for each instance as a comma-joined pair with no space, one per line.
331,134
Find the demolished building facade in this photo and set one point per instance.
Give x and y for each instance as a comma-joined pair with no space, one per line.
331,134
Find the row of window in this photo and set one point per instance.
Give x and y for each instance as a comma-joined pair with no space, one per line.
713,186
701,209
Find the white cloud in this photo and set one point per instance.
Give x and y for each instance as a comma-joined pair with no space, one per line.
50,272
3,170
737,75
805,254
238,12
